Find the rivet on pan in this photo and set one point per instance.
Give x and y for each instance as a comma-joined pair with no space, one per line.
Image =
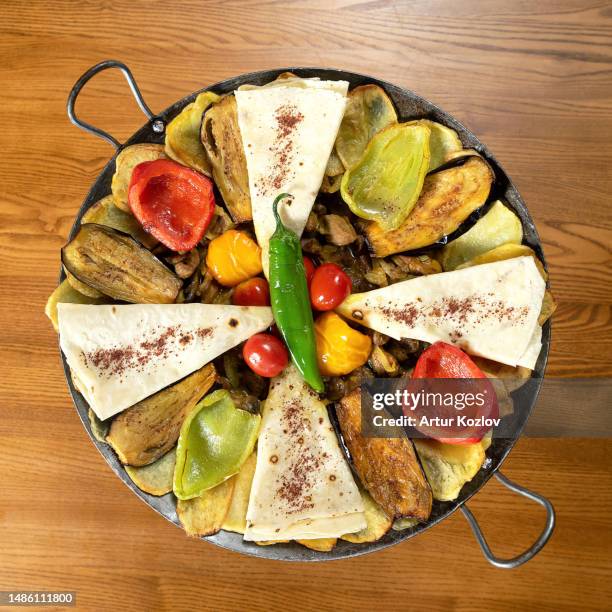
158,126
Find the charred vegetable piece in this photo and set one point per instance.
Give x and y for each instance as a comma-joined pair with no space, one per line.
77,285
368,111
334,167
448,198
125,163
155,478
149,429
383,363
449,466
216,439
183,142
331,184
204,515
340,348
233,258
497,227
337,229
115,264
66,294
548,308
219,224
377,522
174,203
404,523
512,377
290,300
236,516
419,265
185,264
505,251
385,183
221,138
387,467
104,212
444,143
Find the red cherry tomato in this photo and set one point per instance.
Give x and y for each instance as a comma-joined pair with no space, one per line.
445,361
310,269
253,292
172,202
329,287
265,354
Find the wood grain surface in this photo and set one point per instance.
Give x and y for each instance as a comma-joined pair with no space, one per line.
532,79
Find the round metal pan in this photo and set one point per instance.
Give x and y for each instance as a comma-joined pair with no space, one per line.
409,105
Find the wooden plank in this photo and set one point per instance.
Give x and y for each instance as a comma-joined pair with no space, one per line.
531,79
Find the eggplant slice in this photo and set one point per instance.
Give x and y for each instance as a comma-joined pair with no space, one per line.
149,429
221,138
447,199
118,266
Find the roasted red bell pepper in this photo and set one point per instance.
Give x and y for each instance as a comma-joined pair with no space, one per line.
445,361
175,204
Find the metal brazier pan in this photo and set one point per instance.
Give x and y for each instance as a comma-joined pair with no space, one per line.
409,106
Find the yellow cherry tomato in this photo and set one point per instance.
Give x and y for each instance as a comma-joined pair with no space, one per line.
233,257
340,348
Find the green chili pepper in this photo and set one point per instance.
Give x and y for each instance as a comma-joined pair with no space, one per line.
290,299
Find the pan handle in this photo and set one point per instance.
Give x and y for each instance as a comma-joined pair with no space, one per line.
157,124
535,548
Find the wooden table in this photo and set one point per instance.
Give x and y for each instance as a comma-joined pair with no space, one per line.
532,79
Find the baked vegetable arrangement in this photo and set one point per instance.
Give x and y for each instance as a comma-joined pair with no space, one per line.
288,242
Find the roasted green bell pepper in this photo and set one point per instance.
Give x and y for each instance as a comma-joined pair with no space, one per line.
215,440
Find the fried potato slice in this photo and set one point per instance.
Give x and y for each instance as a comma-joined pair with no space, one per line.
271,542
220,135
104,212
449,466
149,429
64,293
499,226
505,251
126,161
155,478
236,516
204,515
548,307
320,544
512,377
387,467
377,522
404,523
448,197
